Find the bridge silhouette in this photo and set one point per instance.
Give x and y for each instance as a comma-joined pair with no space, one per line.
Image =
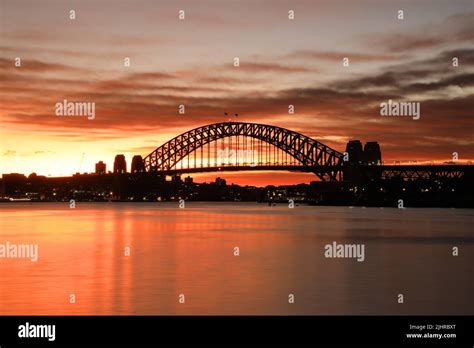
241,146
234,146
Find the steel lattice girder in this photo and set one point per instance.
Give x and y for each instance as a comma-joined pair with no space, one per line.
325,162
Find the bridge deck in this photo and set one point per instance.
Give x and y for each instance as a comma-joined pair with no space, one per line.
379,170
290,168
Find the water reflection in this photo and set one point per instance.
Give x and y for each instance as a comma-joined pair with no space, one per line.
190,251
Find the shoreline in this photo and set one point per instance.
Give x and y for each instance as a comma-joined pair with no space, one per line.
269,204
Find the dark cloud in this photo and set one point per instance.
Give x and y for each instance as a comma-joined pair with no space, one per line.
404,79
144,103
454,29
32,65
461,81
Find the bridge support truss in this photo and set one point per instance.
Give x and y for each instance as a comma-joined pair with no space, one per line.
295,150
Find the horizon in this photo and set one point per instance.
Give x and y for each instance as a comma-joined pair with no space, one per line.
139,74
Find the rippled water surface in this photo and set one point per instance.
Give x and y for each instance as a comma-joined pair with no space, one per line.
190,251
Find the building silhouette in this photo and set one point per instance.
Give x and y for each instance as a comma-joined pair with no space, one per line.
120,165
220,182
355,152
372,153
100,167
137,164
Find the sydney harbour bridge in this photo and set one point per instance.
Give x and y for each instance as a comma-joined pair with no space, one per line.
241,146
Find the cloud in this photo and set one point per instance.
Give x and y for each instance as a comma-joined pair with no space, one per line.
336,56
145,103
33,65
9,153
227,80
457,29
460,80
254,67
420,76
43,152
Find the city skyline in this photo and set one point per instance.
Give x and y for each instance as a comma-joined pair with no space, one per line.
190,62
288,171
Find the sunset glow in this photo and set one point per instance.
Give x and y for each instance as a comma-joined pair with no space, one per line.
190,63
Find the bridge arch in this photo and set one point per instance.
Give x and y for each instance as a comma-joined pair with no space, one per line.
312,155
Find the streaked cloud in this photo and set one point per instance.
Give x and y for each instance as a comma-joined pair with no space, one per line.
281,63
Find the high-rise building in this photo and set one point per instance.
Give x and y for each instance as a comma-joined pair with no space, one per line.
137,164
372,153
100,167
120,165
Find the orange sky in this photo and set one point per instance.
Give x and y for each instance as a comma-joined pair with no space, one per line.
190,62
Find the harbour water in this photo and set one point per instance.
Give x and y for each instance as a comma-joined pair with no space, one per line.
234,258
